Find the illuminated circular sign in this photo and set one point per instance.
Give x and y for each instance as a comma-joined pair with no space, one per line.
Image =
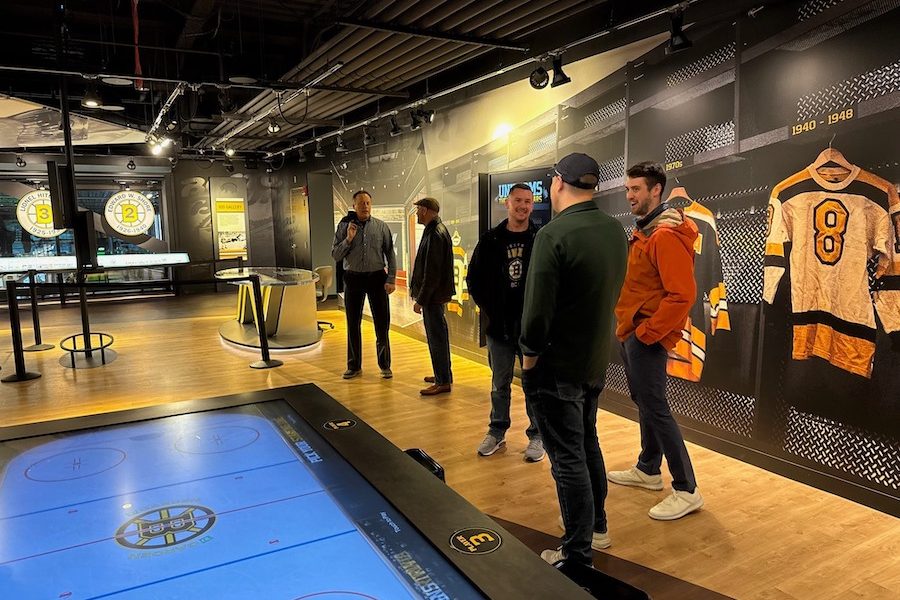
129,213
35,214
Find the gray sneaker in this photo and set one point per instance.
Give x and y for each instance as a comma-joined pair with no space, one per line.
387,373
351,373
535,450
490,445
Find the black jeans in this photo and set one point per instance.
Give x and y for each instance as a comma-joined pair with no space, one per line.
438,342
357,286
645,368
567,418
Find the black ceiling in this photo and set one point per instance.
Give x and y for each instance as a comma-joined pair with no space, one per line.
393,52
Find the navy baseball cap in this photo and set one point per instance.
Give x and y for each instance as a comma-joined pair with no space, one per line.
579,170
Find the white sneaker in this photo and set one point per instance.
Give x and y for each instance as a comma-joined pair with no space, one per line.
490,444
677,505
535,450
599,541
636,478
553,556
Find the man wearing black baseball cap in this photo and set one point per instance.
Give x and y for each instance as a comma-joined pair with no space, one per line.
576,271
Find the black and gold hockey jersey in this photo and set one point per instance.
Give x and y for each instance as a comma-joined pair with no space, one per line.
843,239
709,313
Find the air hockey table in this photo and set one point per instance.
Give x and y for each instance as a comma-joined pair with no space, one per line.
277,494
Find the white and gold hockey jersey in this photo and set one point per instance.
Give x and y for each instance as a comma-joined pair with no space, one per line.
836,231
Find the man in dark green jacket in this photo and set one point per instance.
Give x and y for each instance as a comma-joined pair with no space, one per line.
576,271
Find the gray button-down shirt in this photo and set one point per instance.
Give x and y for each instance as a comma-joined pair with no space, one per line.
371,250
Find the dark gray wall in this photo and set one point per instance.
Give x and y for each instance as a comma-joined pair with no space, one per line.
321,220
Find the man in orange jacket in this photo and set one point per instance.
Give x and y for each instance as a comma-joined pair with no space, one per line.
656,298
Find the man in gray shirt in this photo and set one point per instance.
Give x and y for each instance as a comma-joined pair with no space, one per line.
366,247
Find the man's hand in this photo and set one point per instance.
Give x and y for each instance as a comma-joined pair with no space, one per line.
529,362
389,288
351,232
417,308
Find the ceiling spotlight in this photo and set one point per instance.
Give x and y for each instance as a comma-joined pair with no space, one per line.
319,152
340,145
20,162
229,166
302,157
156,149
415,120
130,164
225,103
165,142
229,152
273,127
368,138
91,98
559,77
539,78
395,129
172,125
677,40
427,115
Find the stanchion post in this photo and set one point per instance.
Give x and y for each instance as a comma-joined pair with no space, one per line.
85,320
15,327
38,345
267,361
62,289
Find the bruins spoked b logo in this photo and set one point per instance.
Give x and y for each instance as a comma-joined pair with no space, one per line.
165,527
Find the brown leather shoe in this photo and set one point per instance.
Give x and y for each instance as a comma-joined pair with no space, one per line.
429,379
435,389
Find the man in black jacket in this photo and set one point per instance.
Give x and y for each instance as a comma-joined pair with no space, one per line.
496,282
431,287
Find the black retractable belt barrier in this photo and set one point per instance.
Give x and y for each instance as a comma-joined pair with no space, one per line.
267,362
35,317
15,326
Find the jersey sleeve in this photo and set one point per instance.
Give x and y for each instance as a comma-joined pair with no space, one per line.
887,285
776,238
718,303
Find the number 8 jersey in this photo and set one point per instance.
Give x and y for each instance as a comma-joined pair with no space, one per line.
834,233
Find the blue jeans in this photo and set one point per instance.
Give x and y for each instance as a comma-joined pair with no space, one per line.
502,359
645,368
438,342
567,418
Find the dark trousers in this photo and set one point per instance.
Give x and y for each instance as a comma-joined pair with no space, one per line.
357,286
502,359
645,368
438,341
567,418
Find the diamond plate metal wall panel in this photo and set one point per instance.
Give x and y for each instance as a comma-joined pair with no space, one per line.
700,140
542,144
612,169
865,454
742,234
498,164
602,114
711,60
814,7
718,408
873,84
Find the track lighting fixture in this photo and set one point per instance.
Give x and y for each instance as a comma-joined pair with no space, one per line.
20,162
156,149
341,147
427,115
302,157
273,127
559,76
415,120
395,129
130,164
677,40
91,98
319,152
229,166
172,125
368,138
229,152
539,78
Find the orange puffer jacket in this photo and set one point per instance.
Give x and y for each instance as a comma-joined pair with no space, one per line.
659,287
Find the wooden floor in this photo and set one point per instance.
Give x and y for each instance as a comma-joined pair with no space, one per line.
760,535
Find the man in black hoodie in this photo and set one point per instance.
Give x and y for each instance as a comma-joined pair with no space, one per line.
496,282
